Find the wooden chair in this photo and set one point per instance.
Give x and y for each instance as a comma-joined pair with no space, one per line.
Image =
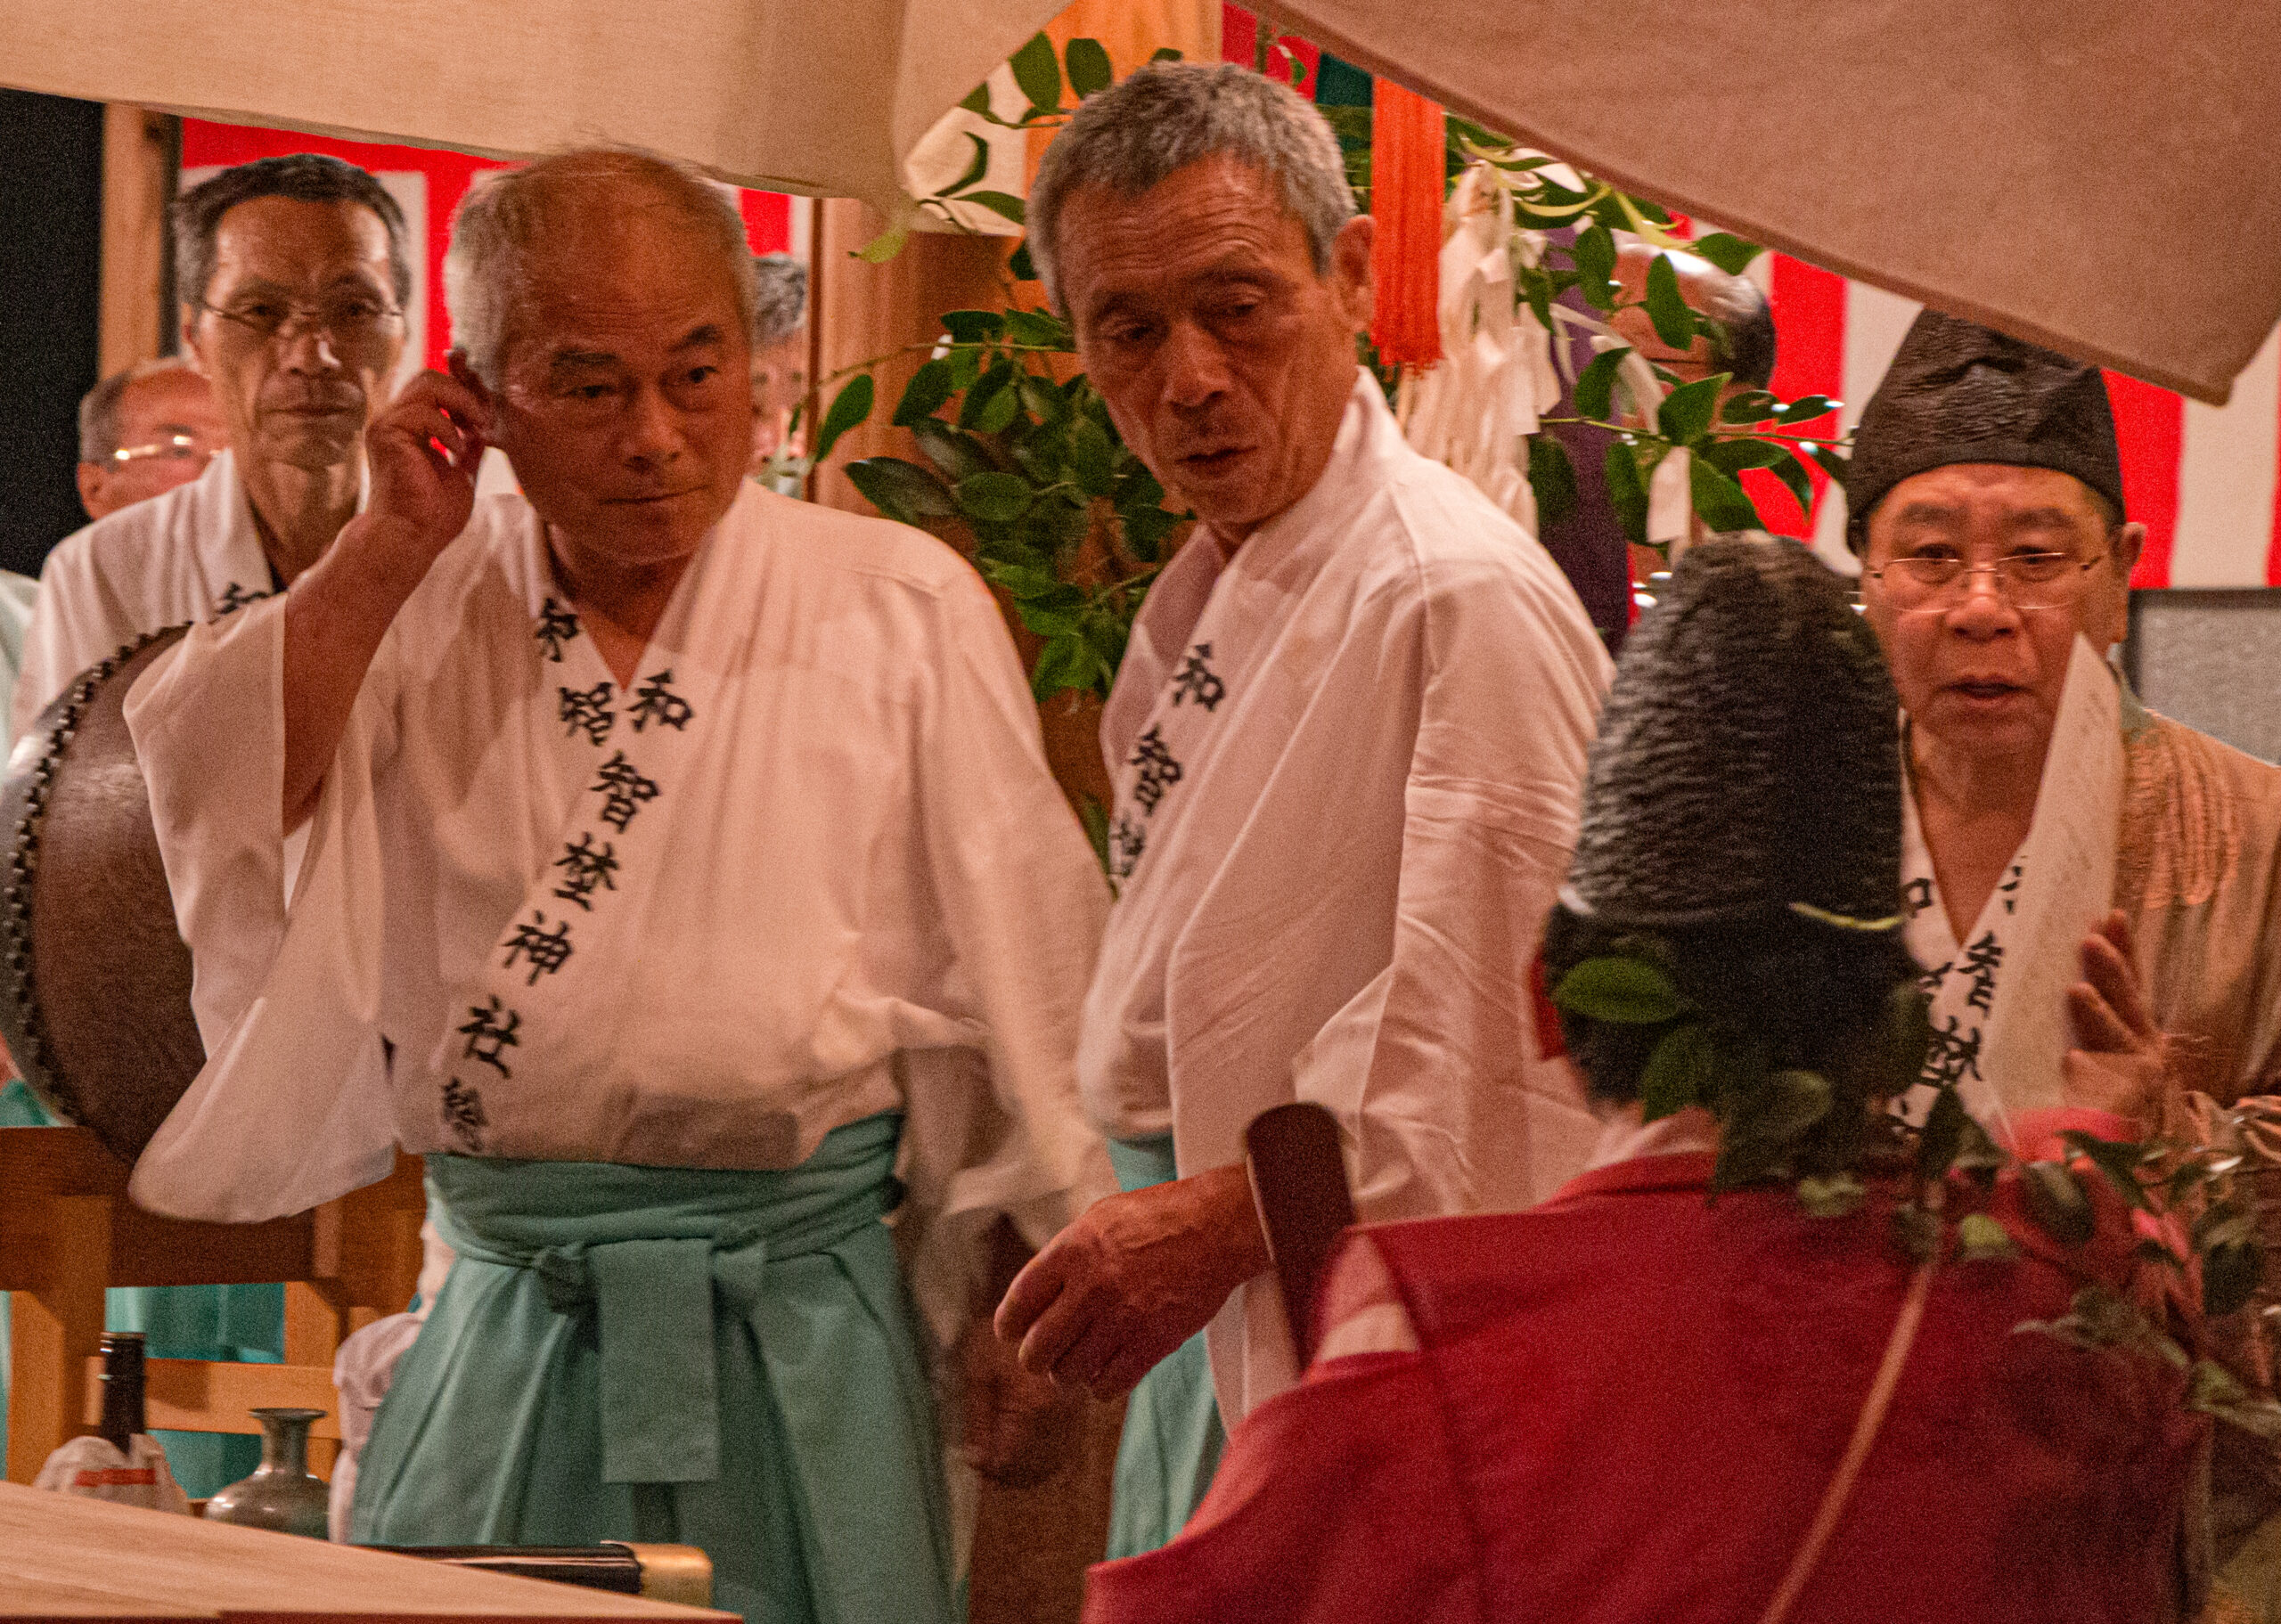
68,1231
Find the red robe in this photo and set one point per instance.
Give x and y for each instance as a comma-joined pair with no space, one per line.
1628,1403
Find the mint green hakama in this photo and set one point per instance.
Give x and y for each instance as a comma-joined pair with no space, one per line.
1173,1435
718,1359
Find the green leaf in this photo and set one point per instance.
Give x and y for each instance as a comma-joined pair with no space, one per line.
1792,473
1094,816
1674,322
1038,72
984,391
2056,1202
1943,1134
1553,477
977,168
849,407
1833,463
1088,67
1145,528
1792,1101
1594,254
1627,490
997,499
1019,265
959,455
900,490
974,326
1834,1196
1981,1239
1627,991
1685,416
1918,1231
1805,409
1597,382
882,247
1677,1075
1731,456
1979,1155
999,410
1092,458
2118,1159
997,203
1719,499
1065,662
1043,398
1730,253
1164,54
2231,1271
977,99
924,395
1039,328
1749,406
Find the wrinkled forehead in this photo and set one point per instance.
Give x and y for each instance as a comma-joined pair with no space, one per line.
291,242
1215,212
633,272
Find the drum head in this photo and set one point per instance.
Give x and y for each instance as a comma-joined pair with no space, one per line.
96,1004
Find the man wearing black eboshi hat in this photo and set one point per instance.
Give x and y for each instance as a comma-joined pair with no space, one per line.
2090,885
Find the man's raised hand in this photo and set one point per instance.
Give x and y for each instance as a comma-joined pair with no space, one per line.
424,452
2117,1063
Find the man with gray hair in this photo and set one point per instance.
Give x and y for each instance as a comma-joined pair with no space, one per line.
1347,741
780,352
294,271
686,883
143,431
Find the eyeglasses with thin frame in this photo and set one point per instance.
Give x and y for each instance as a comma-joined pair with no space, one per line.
175,448
2026,580
352,323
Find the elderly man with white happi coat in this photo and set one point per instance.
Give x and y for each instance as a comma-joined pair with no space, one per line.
686,881
1347,740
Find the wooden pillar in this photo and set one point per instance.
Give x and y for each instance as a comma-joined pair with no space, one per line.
54,1329
138,183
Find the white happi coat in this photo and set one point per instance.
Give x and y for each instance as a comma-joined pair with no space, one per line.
811,869
1347,764
191,553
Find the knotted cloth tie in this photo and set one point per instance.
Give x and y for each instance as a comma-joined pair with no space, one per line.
655,1294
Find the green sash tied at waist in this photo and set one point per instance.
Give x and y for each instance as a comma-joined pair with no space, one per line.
653,1297
727,1359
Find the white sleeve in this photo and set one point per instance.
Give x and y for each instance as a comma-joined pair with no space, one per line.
292,1107
76,624
1023,902
1433,1069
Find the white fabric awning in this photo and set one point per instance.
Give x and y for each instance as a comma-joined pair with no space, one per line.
2096,175
826,97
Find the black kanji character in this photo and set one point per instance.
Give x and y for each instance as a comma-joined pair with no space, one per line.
624,790
463,1115
489,1037
655,702
1916,897
1195,679
588,708
2011,883
1954,1055
1930,979
585,868
235,598
546,950
1158,771
556,626
1126,841
1983,960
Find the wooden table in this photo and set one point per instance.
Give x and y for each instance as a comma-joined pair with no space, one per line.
65,1558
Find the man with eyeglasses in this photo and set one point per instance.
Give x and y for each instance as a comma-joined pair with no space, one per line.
2091,887
143,431
294,273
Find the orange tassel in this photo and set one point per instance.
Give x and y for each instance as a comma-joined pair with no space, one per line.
1408,164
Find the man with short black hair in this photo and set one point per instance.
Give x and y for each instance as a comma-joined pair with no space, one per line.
294,274
143,431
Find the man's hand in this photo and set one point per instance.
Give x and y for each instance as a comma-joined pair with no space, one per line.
1020,1429
1132,1278
424,450
2117,1063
